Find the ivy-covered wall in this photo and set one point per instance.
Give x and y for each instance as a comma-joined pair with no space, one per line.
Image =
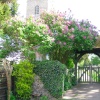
52,75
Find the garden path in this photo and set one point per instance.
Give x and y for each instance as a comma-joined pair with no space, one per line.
84,91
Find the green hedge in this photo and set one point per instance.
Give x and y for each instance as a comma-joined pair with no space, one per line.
51,74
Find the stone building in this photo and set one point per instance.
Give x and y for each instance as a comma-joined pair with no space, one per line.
34,7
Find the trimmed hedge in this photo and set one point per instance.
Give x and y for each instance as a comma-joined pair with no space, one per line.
52,75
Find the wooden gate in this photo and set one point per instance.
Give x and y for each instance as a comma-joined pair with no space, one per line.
89,74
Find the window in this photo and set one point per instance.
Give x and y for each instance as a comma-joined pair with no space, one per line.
37,9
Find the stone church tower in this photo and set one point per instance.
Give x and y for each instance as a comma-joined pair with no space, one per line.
36,7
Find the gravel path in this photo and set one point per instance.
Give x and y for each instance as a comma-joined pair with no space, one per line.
86,91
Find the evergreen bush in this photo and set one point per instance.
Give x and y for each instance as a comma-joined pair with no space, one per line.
52,75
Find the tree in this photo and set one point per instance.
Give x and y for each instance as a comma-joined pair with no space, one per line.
6,1
7,9
95,60
53,34
68,35
4,12
84,60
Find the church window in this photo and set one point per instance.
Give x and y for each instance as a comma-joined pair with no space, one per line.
37,9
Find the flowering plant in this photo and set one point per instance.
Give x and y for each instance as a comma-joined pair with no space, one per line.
68,34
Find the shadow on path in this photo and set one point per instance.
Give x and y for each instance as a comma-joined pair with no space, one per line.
85,91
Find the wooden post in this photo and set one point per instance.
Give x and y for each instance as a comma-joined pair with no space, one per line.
8,68
76,68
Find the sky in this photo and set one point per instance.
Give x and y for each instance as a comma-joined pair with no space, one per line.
81,9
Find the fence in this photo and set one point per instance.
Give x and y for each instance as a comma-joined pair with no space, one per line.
3,85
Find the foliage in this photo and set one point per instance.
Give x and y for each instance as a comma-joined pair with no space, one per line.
44,98
70,79
70,32
14,8
53,34
84,60
70,63
4,12
52,75
95,60
23,73
7,46
29,35
5,1
67,83
68,35
12,97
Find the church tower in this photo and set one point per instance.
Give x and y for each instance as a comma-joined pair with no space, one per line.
36,7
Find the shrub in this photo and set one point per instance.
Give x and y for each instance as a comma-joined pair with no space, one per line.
12,97
44,98
67,84
70,63
51,73
70,79
23,73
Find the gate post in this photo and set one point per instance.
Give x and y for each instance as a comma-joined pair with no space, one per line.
76,68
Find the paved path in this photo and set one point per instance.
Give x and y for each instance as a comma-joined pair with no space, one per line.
86,91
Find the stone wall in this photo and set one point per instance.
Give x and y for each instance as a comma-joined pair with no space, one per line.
39,90
43,5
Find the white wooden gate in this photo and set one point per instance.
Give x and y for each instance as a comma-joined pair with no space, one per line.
89,74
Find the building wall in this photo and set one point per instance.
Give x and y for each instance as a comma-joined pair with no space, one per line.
43,5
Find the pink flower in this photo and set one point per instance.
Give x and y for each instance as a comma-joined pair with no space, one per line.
64,43
68,23
49,31
66,28
61,14
72,36
84,37
63,31
72,30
